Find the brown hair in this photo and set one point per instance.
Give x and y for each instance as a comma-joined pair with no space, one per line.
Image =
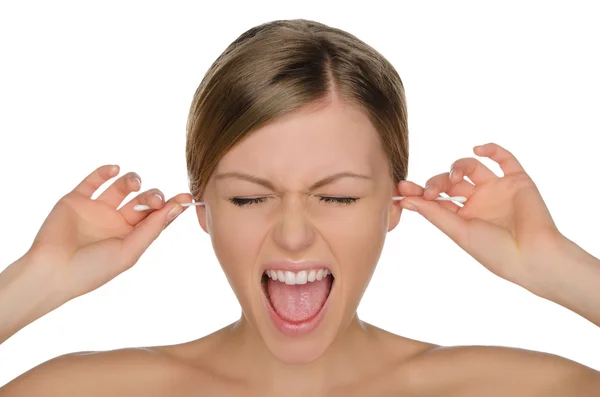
281,66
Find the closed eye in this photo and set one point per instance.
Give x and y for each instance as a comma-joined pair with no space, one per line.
339,200
245,201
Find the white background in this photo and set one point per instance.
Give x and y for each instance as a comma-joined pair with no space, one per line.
84,84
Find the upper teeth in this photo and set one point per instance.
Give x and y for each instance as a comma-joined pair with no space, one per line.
301,277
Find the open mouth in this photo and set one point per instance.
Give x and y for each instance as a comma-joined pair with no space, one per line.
296,304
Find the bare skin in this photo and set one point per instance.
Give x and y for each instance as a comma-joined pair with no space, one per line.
85,243
397,367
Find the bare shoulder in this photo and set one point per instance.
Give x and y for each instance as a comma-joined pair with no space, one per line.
499,371
130,371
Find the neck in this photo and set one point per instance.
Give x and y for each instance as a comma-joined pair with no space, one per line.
349,357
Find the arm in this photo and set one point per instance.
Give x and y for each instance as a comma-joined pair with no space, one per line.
506,226
572,281
82,244
26,294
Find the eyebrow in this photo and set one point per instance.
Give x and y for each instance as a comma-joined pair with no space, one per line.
270,186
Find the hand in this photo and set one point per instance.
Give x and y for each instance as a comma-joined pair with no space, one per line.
84,243
504,224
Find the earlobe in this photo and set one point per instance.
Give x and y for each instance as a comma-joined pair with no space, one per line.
394,215
395,209
201,214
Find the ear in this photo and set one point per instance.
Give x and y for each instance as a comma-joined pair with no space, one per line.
395,211
202,215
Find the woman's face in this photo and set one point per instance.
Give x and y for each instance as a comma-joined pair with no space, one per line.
272,207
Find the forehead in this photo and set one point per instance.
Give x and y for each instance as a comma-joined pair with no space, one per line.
329,137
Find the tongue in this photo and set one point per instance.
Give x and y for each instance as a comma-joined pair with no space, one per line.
298,302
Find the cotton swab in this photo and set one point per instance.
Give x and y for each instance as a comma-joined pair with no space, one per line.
458,199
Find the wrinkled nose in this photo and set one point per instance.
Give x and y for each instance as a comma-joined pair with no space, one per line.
293,230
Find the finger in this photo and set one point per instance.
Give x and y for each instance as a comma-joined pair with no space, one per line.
448,221
145,232
153,198
181,198
442,183
507,161
408,188
93,181
116,193
411,189
474,169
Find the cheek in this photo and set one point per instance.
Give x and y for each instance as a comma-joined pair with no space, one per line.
356,239
236,242
234,232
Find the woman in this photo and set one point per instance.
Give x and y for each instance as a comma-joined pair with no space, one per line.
297,142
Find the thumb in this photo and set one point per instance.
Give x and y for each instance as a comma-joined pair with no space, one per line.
451,224
145,232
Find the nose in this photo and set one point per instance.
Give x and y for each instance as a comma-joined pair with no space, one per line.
293,230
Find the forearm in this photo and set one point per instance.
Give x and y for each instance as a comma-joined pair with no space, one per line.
25,296
573,281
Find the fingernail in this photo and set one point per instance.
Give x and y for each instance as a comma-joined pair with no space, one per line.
138,180
174,212
159,197
451,174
